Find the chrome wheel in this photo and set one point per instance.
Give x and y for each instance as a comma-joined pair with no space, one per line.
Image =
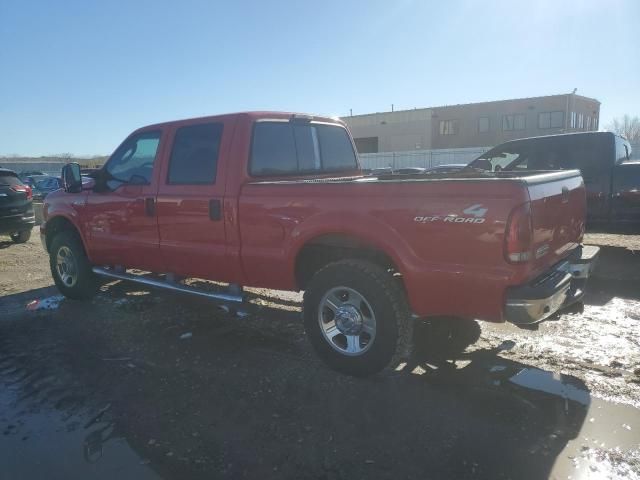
66,266
347,321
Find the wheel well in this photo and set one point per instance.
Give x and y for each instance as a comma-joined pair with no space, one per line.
333,247
57,225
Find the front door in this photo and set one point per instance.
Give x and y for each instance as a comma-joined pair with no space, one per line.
121,209
191,218
625,204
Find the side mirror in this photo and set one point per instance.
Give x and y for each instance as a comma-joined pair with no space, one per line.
71,178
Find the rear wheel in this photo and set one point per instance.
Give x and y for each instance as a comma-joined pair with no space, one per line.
21,237
70,267
353,310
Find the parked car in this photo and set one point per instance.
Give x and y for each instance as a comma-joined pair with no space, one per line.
380,171
31,180
446,168
612,183
383,171
277,200
45,186
41,185
89,171
16,207
28,173
410,171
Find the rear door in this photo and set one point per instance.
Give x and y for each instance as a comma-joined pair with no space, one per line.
190,201
14,197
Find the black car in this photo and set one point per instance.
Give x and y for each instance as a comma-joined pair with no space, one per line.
16,207
611,179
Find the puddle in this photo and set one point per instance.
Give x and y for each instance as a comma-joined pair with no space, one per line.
46,443
601,346
590,437
607,445
550,382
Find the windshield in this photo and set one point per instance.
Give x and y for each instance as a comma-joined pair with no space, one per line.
508,157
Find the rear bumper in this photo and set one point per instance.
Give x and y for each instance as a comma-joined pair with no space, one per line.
17,223
559,287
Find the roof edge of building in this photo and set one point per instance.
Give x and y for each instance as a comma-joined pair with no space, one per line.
468,104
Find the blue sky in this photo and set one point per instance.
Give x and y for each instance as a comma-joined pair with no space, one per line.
78,75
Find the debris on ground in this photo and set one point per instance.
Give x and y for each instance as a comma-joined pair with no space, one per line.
185,336
49,303
98,416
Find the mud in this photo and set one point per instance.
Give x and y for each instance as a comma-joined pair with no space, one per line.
115,388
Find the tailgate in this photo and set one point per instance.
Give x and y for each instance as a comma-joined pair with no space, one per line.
558,209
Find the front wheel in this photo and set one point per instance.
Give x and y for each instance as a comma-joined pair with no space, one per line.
70,267
353,310
21,237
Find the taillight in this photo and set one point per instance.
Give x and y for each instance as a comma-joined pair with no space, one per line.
23,188
519,235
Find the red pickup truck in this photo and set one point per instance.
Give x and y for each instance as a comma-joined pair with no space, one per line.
278,200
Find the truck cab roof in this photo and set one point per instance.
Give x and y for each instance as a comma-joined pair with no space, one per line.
252,115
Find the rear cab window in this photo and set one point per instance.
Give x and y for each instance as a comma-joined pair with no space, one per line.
284,148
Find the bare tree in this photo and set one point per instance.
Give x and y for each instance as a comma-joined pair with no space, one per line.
627,126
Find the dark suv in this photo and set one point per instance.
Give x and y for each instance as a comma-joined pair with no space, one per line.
16,207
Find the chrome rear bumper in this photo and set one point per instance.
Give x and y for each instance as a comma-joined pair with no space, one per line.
560,287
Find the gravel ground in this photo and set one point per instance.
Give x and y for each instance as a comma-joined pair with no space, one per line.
145,384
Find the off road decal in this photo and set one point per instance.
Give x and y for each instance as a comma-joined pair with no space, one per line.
474,214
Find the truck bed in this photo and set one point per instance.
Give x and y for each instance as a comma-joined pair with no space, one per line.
446,233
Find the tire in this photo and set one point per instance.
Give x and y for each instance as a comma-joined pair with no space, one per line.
21,237
380,313
83,283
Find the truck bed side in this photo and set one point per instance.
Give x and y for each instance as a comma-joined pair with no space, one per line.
444,236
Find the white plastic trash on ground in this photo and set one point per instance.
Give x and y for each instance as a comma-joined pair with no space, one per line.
49,303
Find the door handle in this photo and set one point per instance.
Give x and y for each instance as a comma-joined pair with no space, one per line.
150,206
215,210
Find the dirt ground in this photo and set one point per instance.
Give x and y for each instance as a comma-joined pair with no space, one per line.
146,384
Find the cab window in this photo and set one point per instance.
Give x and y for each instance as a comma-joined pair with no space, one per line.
132,162
512,156
622,150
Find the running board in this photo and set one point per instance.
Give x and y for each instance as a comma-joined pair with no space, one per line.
176,287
